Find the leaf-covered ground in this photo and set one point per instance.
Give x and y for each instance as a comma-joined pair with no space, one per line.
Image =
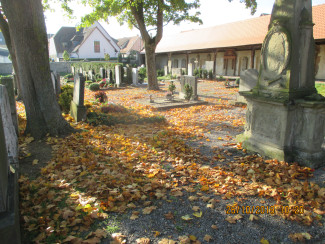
148,180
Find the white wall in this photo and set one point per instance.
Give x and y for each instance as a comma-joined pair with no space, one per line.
219,64
239,64
86,50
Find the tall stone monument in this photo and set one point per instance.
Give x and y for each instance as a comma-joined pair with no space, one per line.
285,115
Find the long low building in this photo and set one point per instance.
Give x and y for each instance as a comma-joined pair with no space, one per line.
231,48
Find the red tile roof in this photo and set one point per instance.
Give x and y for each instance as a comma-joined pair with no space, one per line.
240,33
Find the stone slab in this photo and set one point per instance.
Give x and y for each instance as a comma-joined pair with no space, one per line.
135,77
192,81
289,132
79,89
9,220
118,75
163,104
8,82
3,170
8,125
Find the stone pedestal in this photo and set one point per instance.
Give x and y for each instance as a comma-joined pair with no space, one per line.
288,132
165,70
248,80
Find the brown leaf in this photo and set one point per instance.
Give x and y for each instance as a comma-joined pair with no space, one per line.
207,238
169,215
167,241
148,210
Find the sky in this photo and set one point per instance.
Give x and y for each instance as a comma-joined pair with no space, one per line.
213,12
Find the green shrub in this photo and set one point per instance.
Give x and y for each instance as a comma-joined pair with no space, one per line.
196,72
94,87
210,74
172,87
67,76
142,73
65,98
160,72
204,74
237,81
188,92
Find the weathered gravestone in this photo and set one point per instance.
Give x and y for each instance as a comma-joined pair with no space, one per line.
190,69
192,81
9,212
3,169
165,70
248,80
56,82
177,71
128,75
118,75
102,72
90,75
285,116
77,109
73,70
8,125
9,84
135,77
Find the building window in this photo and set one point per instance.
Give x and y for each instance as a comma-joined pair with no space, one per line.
183,63
175,63
96,46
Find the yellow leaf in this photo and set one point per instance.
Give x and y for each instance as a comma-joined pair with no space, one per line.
196,208
193,198
205,188
264,241
198,214
35,161
186,217
252,217
143,240
156,233
192,238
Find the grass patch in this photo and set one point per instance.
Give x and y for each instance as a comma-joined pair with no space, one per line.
320,88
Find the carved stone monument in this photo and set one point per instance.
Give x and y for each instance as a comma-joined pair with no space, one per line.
190,69
285,116
77,109
192,81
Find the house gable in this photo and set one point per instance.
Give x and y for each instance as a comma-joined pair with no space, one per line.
87,49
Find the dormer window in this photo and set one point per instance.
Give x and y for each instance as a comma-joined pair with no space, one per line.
97,46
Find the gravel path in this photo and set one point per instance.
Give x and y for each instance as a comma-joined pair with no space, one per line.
156,226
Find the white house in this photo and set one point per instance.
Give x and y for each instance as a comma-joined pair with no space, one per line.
86,43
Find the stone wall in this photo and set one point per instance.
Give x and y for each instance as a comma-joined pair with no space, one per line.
59,67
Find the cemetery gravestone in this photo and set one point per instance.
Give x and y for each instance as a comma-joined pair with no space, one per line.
190,69
3,169
177,71
102,72
73,69
8,125
9,84
118,75
56,82
129,75
135,77
192,81
77,109
285,116
165,70
9,212
248,80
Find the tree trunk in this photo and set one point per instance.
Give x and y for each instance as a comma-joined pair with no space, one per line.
151,66
29,40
